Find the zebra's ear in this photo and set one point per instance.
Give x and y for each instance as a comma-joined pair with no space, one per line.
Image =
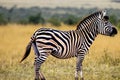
104,13
99,16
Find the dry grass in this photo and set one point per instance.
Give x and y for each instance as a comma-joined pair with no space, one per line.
102,62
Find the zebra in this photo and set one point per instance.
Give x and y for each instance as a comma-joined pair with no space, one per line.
67,44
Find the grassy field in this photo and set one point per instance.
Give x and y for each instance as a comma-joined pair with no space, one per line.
101,63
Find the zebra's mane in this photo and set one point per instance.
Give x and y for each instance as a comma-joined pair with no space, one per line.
89,18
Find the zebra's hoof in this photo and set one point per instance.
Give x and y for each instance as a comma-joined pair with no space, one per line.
40,79
76,78
43,79
82,78
37,79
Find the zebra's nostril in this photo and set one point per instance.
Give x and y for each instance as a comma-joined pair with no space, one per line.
114,30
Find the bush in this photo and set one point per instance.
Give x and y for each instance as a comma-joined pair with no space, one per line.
118,25
71,20
2,20
36,19
54,21
23,22
113,19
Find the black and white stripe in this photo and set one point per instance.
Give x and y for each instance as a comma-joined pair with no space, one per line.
67,44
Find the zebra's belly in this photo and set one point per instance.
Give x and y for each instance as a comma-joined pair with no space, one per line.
63,55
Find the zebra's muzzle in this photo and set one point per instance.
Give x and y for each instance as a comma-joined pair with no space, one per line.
114,31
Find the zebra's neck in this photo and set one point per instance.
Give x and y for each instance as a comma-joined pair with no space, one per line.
87,20
89,33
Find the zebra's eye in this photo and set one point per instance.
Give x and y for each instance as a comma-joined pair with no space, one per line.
106,23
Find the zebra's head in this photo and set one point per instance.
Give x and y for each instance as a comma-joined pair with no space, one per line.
105,27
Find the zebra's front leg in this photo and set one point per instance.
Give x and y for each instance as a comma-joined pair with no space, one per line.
38,62
79,68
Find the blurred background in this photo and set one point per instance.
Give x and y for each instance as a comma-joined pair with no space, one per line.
55,12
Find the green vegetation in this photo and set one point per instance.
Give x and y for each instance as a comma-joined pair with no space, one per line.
71,20
113,19
54,16
37,19
54,21
2,20
118,25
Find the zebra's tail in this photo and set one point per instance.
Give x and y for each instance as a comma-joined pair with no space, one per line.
28,49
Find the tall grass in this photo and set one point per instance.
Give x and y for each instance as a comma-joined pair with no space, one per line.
101,63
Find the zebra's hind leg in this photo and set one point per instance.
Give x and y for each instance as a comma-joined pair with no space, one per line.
38,62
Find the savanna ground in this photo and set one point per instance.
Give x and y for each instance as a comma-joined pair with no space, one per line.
101,63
